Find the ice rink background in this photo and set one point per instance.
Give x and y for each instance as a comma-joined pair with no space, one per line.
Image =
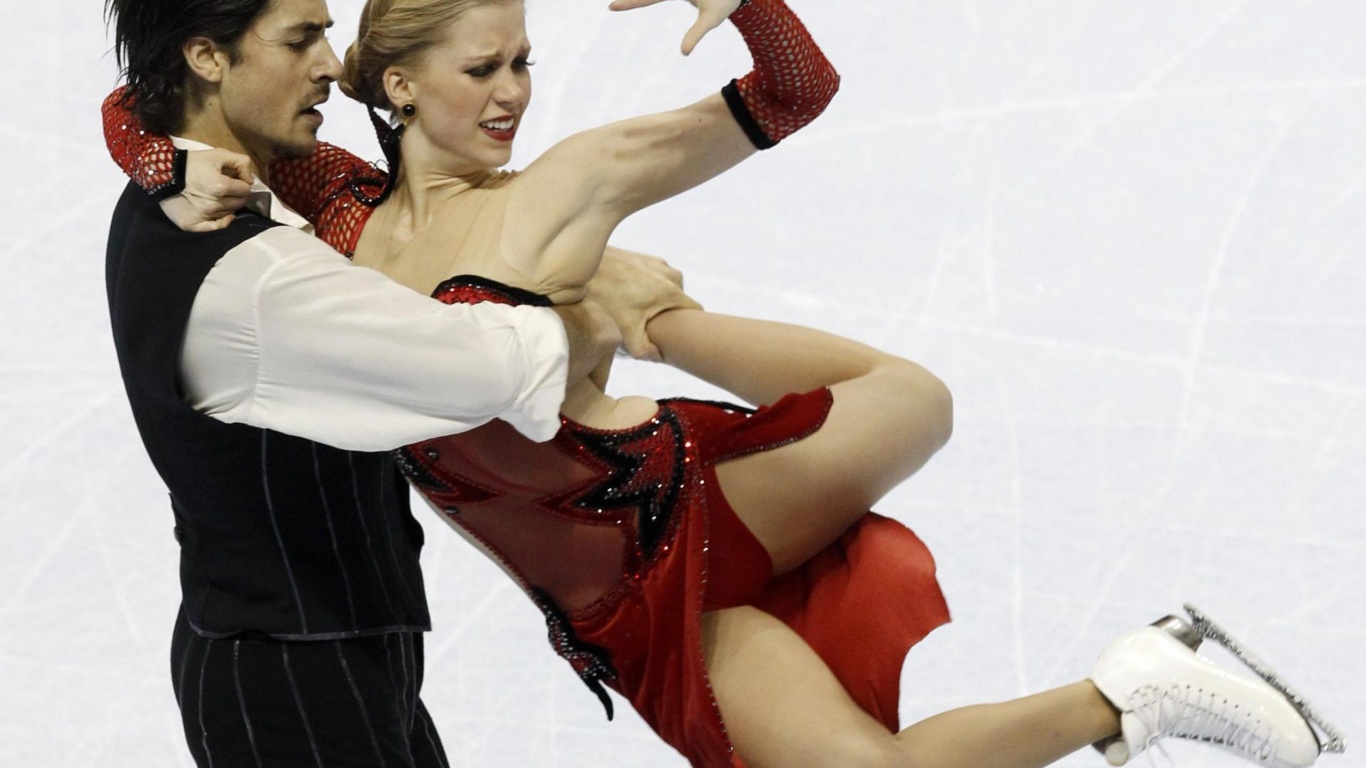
1130,236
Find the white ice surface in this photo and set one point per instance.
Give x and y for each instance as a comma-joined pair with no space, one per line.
1129,235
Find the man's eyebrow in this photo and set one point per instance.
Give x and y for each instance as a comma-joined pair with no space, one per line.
311,27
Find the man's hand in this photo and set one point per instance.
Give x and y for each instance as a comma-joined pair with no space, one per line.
710,14
633,288
216,186
593,337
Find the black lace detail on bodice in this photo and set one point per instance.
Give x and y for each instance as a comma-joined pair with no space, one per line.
448,487
416,471
640,476
592,663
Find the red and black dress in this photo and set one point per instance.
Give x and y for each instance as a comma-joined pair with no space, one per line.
622,537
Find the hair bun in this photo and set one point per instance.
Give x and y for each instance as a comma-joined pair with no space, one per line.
350,82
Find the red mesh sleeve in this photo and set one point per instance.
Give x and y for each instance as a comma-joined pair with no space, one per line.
332,188
149,159
792,81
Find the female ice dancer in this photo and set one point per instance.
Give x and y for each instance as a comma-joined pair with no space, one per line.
714,565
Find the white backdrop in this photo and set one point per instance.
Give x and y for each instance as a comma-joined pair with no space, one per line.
1128,235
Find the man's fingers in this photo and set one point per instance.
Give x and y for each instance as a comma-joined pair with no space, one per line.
238,167
673,275
229,188
685,302
212,225
215,207
639,346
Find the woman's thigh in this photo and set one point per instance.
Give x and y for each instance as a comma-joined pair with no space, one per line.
781,704
798,498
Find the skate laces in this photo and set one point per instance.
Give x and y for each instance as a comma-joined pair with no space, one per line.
1190,712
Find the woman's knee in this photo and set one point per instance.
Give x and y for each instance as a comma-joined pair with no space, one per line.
922,399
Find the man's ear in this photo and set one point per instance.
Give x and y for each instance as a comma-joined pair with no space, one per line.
205,59
399,87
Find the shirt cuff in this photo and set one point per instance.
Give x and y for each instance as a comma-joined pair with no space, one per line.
545,351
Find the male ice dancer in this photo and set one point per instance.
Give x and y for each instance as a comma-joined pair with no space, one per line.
269,379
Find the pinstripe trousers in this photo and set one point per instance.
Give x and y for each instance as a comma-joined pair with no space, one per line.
265,703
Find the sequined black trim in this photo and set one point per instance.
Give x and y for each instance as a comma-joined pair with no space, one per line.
497,290
627,487
417,473
360,187
724,405
592,663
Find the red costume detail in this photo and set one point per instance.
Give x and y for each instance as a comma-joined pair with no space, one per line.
792,81
148,159
332,188
624,539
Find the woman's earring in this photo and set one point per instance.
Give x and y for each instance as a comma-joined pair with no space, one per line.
408,111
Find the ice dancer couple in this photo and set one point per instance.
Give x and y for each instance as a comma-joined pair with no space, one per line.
716,565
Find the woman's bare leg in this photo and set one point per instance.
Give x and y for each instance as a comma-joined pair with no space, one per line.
889,417
783,707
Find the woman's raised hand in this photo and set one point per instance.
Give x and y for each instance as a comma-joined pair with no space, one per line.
710,14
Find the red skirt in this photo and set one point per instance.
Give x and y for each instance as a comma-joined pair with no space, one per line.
860,604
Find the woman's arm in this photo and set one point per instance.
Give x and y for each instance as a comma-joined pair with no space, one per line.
758,360
150,160
583,187
197,194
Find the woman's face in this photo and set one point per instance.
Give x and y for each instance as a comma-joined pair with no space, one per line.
472,90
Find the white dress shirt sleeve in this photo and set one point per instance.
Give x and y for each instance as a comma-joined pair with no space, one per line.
287,334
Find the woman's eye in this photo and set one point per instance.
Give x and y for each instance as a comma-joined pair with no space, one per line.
521,65
480,72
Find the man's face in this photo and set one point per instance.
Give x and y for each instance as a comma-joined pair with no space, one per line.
284,69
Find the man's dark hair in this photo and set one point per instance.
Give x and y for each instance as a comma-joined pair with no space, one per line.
148,37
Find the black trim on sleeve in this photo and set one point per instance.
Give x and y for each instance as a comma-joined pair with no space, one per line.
177,183
757,137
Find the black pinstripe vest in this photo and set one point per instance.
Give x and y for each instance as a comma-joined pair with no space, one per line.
278,535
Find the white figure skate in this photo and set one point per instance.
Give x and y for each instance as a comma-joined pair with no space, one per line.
1162,688
1330,738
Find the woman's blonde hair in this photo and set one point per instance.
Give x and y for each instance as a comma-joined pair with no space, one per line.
396,32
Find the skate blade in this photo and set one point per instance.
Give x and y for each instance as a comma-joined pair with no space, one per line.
1330,738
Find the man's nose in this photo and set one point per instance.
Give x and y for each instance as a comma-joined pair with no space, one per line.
330,69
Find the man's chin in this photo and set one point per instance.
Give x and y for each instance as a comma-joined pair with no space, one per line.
302,147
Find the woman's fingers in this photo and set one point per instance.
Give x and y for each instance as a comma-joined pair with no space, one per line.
629,5
710,14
